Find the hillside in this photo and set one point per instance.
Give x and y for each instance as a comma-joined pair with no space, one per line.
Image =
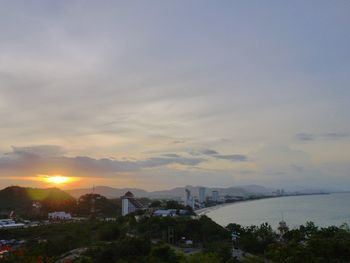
20,199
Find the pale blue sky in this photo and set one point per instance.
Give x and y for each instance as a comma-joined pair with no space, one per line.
165,93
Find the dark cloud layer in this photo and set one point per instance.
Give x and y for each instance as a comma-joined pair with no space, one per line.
232,157
214,154
171,155
209,152
322,136
304,137
41,150
46,159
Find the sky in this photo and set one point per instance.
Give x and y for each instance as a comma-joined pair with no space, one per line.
159,94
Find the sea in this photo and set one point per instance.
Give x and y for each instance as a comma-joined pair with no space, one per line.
324,210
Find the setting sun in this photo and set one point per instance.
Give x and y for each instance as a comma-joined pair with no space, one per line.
57,179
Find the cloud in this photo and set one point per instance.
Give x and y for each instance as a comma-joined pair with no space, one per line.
178,142
47,159
159,161
104,82
322,136
40,150
209,152
304,137
232,157
335,136
171,155
216,155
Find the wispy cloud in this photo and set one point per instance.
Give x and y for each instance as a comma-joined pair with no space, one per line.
232,157
171,155
209,152
305,137
216,155
321,136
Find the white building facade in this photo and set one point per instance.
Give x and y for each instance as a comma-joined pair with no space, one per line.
189,200
201,191
130,204
59,216
215,196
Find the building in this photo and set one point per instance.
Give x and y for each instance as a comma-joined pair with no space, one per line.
201,195
59,216
130,204
189,200
165,213
9,223
215,196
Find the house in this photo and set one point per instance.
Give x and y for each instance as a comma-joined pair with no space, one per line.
165,213
9,223
130,204
59,216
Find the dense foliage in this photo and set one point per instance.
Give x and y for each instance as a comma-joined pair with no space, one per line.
140,237
308,244
21,199
98,205
36,203
126,240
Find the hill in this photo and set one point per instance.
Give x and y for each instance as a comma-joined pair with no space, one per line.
107,191
177,192
21,199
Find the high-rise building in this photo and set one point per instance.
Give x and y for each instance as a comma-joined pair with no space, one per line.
189,200
201,195
215,196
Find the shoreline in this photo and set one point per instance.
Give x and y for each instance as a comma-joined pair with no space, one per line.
206,210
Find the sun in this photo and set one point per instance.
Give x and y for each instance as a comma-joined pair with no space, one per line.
57,179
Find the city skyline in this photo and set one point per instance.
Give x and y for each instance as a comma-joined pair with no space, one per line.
163,94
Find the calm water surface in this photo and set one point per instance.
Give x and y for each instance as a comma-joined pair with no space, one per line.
324,210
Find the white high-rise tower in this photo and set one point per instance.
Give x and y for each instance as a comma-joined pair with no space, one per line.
201,195
189,200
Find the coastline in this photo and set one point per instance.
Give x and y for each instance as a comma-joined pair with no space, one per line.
206,210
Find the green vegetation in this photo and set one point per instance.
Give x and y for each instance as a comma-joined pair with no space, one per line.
125,240
162,240
101,205
139,237
308,244
20,200
35,203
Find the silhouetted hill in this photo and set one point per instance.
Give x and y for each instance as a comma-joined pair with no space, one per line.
107,191
20,199
177,192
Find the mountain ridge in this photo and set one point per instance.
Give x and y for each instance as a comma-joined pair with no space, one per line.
177,192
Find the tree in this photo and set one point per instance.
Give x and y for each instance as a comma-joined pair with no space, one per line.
155,204
222,250
164,254
108,232
202,258
98,204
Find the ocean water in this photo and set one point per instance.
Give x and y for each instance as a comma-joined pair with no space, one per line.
323,210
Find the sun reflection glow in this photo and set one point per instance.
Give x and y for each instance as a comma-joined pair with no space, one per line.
57,179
